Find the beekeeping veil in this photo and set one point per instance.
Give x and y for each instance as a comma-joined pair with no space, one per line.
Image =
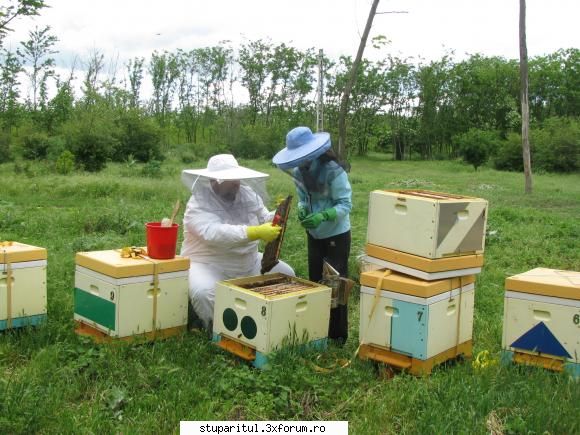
225,186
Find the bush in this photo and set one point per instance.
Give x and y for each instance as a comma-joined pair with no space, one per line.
35,146
65,163
475,146
557,145
152,169
92,149
509,154
5,153
139,137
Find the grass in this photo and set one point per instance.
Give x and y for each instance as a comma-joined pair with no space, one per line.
52,381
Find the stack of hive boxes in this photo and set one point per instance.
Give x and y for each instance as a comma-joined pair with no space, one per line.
22,285
257,315
541,324
121,298
417,303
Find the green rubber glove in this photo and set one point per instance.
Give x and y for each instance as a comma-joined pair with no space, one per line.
266,232
314,219
302,212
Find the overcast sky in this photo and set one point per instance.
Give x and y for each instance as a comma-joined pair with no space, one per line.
129,28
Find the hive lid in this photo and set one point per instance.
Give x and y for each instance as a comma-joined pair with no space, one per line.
425,264
548,282
18,252
408,285
428,195
111,263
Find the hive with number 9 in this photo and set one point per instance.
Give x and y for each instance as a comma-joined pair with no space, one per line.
125,298
257,315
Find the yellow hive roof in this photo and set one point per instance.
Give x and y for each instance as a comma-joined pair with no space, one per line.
548,282
15,252
111,263
409,285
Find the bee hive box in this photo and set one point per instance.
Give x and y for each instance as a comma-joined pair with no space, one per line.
427,224
22,285
256,315
415,324
116,297
421,267
542,319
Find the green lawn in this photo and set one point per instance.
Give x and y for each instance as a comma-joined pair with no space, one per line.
52,381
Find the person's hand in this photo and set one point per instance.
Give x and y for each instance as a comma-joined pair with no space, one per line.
302,212
266,232
313,220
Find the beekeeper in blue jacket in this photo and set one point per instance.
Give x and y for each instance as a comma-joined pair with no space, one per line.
224,220
324,205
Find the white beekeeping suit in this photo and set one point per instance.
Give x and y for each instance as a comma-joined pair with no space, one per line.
225,206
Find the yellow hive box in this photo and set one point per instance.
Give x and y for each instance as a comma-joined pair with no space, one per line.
117,297
22,285
416,318
421,267
256,315
427,224
542,319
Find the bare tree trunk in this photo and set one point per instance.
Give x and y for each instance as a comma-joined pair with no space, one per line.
524,99
341,150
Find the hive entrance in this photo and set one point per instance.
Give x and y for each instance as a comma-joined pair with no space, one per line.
276,286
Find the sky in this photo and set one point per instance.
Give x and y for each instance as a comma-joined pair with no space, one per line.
124,29
129,28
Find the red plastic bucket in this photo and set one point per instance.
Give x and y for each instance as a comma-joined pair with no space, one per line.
161,241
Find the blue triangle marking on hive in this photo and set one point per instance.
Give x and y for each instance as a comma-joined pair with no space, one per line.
540,339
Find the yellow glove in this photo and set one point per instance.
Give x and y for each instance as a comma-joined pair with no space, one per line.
266,232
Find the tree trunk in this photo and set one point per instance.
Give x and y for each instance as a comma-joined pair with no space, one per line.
341,150
524,99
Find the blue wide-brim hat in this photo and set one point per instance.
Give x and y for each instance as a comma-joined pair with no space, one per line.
301,146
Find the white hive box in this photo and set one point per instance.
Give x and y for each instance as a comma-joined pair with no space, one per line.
115,298
422,320
427,224
421,267
542,319
22,285
256,315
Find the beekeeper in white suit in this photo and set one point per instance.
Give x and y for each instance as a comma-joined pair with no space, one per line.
224,220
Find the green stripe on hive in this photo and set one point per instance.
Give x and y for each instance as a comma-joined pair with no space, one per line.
95,308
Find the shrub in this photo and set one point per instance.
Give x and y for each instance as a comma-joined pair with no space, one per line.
65,163
137,136
5,153
557,145
508,156
152,169
35,146
475,146
92,149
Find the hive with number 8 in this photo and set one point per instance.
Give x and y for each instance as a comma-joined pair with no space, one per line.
257,315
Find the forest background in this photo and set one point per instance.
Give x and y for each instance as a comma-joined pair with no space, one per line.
243,99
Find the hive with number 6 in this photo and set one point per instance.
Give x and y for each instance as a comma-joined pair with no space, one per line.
542,320
257,315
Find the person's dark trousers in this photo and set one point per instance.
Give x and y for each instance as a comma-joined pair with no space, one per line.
335,250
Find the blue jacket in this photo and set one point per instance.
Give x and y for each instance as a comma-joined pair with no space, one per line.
332,191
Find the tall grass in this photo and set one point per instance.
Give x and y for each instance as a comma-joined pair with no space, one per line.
52,381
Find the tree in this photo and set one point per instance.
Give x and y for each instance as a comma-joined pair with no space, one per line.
17,8
253,60
524,99
36,51
9,93
341,150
